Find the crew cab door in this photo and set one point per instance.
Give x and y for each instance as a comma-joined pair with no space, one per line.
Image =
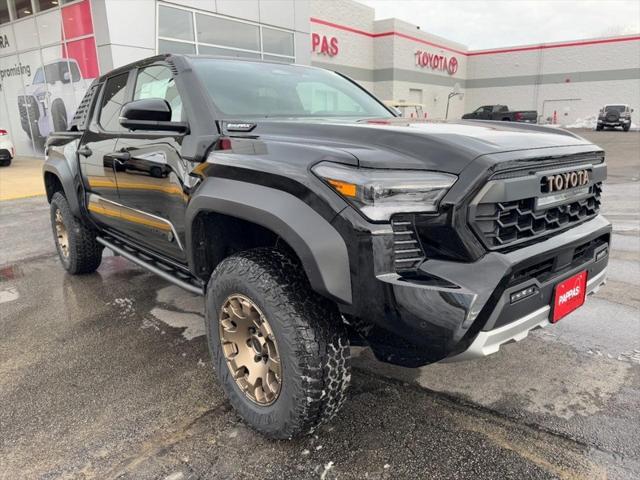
483,113
151,172
96,152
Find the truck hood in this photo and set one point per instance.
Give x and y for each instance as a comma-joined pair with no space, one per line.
444,146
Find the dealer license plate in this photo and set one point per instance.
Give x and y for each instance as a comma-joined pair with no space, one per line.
569,295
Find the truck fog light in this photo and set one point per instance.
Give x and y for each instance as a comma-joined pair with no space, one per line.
524,293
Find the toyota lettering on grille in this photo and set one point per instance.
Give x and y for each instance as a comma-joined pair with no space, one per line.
565,181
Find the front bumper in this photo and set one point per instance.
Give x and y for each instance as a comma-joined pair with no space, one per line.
619,123
5,153
464,309
489,342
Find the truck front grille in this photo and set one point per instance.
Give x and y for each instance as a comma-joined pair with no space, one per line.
407,251
506,223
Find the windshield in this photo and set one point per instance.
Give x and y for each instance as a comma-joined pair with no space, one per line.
615,108
252,89
38,77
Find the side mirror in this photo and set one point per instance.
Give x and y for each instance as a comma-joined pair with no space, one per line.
150,114
632,110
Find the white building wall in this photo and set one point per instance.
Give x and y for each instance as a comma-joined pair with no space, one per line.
575,81
412,80
380,57
355,55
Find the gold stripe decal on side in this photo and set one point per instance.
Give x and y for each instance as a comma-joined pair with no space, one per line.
102,210
108,208
101,182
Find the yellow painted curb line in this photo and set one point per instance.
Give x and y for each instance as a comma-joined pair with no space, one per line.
19,197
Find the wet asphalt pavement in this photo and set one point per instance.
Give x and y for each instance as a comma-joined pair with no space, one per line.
108,376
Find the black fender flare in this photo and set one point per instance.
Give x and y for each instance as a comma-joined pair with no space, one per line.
59,167
317,243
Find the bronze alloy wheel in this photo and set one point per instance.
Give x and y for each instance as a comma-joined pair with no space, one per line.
250,349
61,234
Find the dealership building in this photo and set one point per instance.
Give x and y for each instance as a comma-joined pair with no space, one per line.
50,50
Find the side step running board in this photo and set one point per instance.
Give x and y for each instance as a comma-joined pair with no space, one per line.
158,268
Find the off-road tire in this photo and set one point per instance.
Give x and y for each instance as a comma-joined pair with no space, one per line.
311,339
5,163
626,128
84,252
599,127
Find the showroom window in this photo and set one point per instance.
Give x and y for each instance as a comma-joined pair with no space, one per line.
42,5
4,12
181,30
23,8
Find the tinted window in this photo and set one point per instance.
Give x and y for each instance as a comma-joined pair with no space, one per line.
112,101
55,72
226,52
175,23
277,41
4,12
39,76
43,5
245,88
166,46
228,33
273,58
23,8
158,82
615,108
75,72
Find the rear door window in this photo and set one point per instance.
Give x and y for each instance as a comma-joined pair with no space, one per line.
114,97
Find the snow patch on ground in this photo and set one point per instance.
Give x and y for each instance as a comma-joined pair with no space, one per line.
9,295
125,307
590,122
327,467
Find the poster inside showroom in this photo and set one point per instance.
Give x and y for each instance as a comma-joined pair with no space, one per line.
47,62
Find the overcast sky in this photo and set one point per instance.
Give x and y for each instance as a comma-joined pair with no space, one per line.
498,23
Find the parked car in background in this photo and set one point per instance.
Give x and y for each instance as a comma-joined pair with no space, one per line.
49,102
613,116
7,150
502,112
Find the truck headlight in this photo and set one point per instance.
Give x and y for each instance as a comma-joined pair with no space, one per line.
378,193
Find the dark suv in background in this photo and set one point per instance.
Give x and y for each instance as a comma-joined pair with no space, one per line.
612,116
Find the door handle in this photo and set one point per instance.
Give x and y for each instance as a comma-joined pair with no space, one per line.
121,157
85,151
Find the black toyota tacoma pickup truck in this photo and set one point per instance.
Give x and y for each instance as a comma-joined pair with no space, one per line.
311,218
502,113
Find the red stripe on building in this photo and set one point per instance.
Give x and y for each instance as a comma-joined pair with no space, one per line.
579,43
382,34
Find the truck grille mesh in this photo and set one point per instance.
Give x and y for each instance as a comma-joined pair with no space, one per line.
507,223
407,251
